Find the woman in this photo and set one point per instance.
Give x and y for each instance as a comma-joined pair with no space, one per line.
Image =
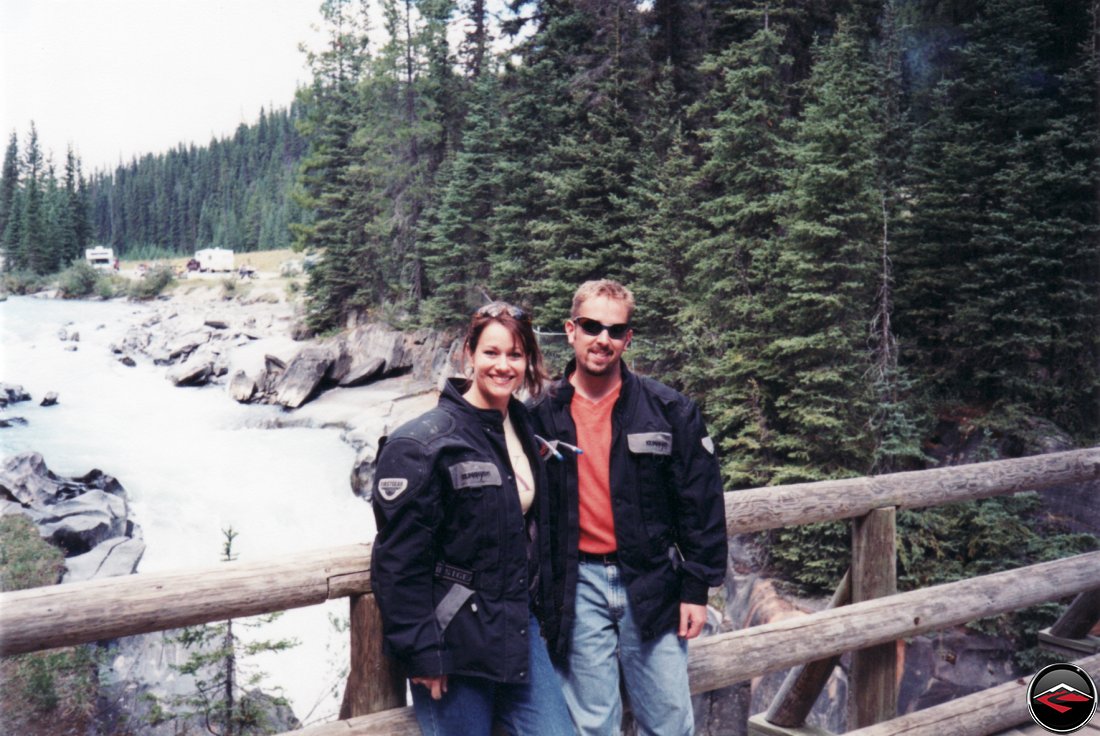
460,565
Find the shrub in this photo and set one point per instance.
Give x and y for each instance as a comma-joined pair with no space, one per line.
23,282
155,281
78,280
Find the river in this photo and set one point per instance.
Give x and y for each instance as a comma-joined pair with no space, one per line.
193,462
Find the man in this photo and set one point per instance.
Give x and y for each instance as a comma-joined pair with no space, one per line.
637,521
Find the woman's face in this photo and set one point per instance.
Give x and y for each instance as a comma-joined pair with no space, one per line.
499,365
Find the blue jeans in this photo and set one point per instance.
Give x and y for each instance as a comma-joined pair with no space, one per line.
472,704
606,639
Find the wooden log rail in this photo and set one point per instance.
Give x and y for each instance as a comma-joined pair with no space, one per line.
66,615
77,613
737,656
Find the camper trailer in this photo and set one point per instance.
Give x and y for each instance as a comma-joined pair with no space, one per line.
214,259
100,258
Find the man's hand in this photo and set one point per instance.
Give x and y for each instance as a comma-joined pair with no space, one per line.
692,618
436,685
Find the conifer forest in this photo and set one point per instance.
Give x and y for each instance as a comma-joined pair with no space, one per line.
843,220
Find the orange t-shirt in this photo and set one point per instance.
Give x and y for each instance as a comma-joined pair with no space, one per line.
593,421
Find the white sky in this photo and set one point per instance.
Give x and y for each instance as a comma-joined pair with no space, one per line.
118,78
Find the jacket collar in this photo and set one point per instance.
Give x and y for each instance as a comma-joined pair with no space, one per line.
562,390
452,398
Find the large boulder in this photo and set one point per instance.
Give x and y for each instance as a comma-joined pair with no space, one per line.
12,394
77,514
110,558
241,387
79,524
303,376
199,368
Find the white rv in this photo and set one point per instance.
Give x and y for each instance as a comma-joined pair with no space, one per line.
100,258
214,259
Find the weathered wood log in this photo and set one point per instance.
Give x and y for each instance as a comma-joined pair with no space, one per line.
873,683
78,613
979,714
375,682
722,660
803,684
803,503
1080,617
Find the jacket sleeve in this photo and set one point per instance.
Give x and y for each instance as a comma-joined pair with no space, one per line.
701,506
407,502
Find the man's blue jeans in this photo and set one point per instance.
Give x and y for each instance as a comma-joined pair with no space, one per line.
472,704
604,638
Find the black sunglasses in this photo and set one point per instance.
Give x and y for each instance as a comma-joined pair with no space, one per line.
594,328
495,309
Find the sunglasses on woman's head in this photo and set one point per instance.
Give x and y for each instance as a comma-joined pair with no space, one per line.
594,328
495,309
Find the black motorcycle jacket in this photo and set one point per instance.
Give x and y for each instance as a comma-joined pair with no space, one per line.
456,568
666,498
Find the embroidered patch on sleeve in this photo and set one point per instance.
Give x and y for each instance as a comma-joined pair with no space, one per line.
391,488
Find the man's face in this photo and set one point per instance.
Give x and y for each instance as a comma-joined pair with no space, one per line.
598,354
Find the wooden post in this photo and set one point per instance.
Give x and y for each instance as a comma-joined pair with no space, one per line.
1080,617
872,692
803,684
375,682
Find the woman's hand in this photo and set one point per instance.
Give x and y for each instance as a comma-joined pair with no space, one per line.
436,685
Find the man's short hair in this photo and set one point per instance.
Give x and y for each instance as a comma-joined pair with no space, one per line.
603,287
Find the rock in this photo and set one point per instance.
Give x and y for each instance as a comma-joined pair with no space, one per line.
303,376
62,334
70,348
110,558
127,361
50,399
12,394
241,387
79,524
181,347
9,422
217,324
74,337
197,370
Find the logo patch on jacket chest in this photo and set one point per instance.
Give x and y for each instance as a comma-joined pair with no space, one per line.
391,488
650,443
473,474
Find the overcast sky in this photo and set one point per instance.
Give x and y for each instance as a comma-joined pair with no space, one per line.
116,78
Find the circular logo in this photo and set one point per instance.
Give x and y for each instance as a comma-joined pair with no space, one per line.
1061,698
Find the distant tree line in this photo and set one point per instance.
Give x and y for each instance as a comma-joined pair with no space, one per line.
842,219
43,218
236,192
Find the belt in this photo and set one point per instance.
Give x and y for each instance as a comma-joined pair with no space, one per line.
611,558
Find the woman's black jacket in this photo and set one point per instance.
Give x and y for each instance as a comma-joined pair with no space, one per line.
455,568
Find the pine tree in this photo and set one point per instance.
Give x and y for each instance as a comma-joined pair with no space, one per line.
826,272
226,700
9,189
732,287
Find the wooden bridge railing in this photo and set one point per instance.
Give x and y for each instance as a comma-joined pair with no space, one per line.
63,615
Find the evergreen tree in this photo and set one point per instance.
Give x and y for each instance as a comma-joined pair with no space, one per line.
331,109
733,284
826,272
9,189
226,700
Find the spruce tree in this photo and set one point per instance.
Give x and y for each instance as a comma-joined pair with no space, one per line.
826,271
733,282
9,189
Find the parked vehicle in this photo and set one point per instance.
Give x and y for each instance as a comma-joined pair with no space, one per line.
101,258
214,259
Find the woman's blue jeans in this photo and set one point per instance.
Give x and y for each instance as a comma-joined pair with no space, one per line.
606,639
472,704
